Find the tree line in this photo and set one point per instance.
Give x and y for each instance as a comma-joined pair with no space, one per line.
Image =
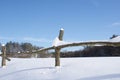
96,51
15,47
24,50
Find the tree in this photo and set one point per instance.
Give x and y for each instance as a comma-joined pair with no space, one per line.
9,47
27,47
15,47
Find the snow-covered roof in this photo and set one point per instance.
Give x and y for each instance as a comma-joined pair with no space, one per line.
116,39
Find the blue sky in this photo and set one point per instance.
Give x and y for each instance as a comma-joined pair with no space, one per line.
39,21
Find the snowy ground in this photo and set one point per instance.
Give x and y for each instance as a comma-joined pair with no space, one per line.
101,68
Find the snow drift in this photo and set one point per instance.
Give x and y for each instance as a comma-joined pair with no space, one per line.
103,68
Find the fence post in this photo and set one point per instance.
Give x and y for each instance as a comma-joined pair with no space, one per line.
61,34
57,56
3,55
57,50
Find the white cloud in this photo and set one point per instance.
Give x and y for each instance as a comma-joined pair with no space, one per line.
26,39
116,24
37,39
6,38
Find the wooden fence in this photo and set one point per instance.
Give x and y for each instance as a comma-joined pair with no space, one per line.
59,47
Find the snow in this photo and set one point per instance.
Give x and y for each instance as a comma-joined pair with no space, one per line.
58,42
94,68
3,44
116,39
62,29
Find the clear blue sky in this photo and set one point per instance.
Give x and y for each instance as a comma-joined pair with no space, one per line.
39,21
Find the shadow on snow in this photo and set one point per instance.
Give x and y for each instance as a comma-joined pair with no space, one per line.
24,70
102,77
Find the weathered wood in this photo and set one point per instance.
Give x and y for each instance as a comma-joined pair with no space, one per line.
3,56
57,56
60,37
57,49
7,58
100,43
43,49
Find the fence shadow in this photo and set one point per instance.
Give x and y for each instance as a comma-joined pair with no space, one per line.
24,70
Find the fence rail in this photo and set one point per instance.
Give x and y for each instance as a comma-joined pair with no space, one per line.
100,43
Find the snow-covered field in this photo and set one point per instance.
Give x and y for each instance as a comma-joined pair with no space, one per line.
100,68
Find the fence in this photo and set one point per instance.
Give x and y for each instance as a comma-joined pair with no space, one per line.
59,47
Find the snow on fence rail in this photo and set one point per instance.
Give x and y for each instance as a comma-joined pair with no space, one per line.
96,43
